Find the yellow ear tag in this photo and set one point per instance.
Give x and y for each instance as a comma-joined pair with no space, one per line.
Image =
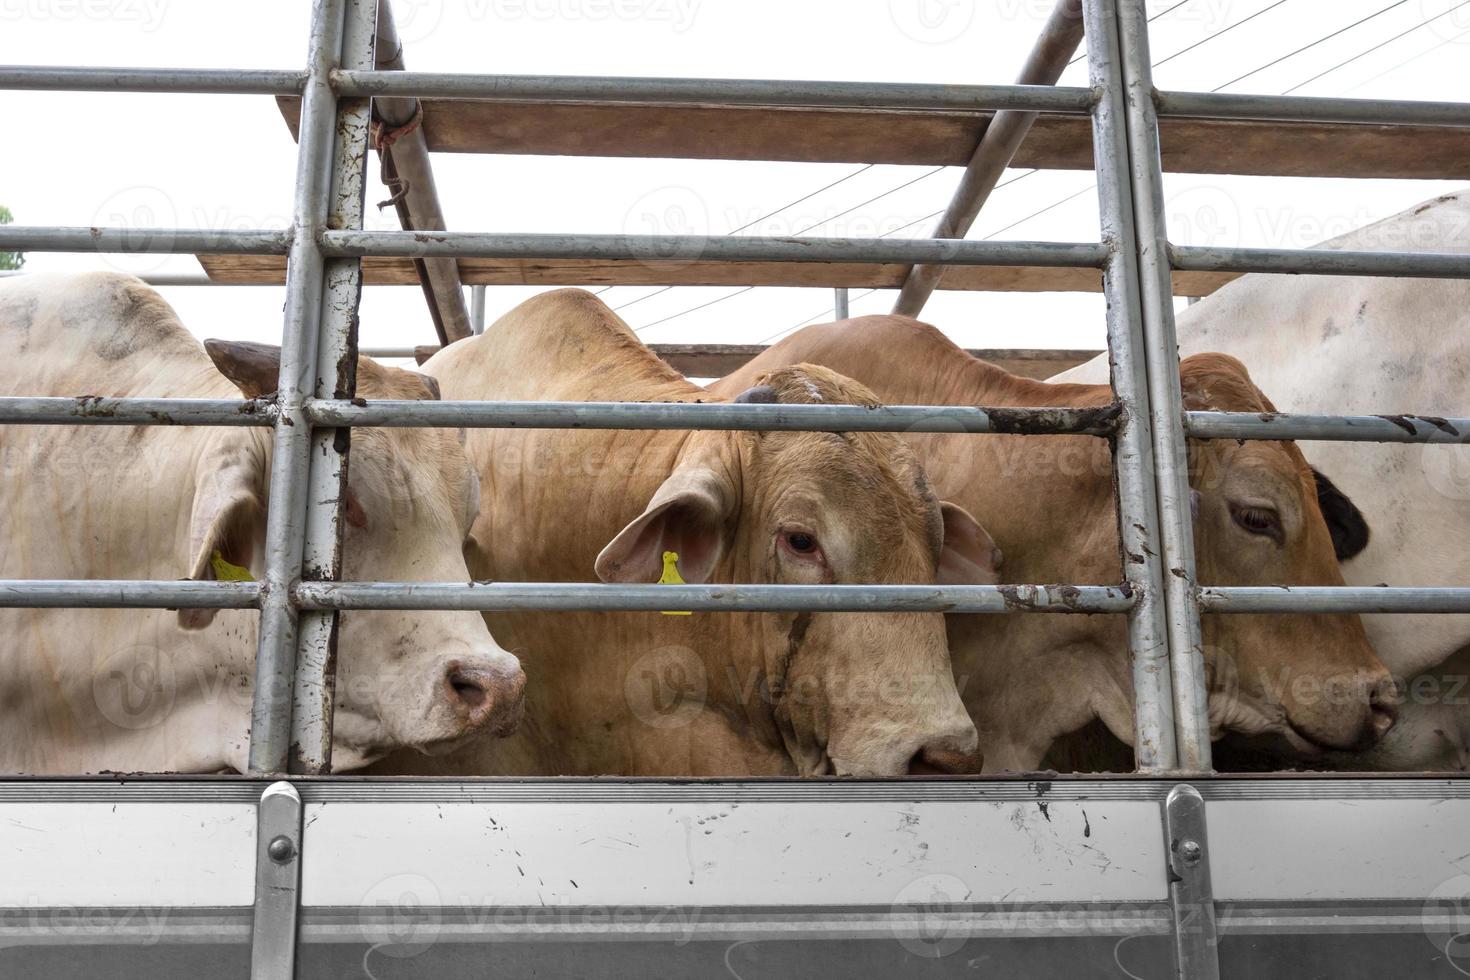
225,572
671,576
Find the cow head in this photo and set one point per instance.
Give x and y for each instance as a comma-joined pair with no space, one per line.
1264,517
845,693
425,680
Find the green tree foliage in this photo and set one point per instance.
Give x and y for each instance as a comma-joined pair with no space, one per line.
9,260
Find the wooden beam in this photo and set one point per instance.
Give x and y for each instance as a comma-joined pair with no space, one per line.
718,360
257,269
724,132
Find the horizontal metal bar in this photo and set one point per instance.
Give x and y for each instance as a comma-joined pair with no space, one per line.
172,240
599,597
98,410
687,248
1328,599
210,81
1320,262
673,415
1328,428
713,91
178,279
126,593
1297,108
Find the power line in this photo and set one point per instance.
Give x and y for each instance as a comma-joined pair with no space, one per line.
1162,13
1384,44
1223,31
1320,40
1389,71
769,214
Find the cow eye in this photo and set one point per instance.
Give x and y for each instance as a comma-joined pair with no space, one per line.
1258,520
800,542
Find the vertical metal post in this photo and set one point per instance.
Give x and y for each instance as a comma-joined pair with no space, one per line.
1133,460
336,377
275,658
840,300
1161,350
277,883
998,145
477,309
1191,895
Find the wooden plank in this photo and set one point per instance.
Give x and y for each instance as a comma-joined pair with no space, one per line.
506,272
718,360
1287,149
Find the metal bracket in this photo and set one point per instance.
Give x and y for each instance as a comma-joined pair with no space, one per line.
1196,941
277,883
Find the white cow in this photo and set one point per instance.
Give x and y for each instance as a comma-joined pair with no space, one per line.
1336,345
155,690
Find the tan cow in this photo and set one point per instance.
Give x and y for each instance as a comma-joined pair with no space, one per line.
1314,680
710,693
83,690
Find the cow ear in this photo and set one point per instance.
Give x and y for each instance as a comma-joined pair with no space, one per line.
1348,527
254,368
969,555
226,517
688,515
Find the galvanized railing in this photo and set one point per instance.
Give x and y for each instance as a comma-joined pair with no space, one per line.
1148,426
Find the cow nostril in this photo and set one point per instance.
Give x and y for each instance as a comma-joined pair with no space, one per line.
467,689
1383,706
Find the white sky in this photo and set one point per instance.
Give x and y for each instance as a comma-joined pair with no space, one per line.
228,162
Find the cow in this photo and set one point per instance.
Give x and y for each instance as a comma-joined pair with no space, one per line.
87,690
707,694
1030,681
1338,345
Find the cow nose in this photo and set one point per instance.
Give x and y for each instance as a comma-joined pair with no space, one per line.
485,697
941,760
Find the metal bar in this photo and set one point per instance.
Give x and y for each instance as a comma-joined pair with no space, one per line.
275,659
709,248
1320,262
312,698
673,415
21,238
419,208
477,309
99,410
1002,138
1196,938
203,81
170,279
1334,599
126,594
278,842
719,91
840,305
1165,401
1327,428
1133,461
1297,108
600,597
